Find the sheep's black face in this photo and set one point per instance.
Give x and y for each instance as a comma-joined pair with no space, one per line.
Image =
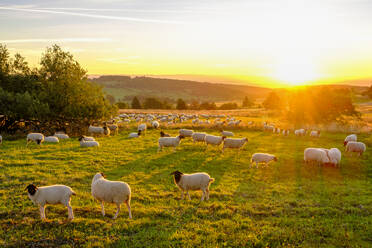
223,137
81,138
103,175
162,134
38,141
275,159
177,175
31,189
181,136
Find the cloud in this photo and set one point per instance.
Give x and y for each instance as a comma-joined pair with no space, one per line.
107,17
56,40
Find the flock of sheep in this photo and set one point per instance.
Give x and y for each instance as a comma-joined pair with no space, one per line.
118,192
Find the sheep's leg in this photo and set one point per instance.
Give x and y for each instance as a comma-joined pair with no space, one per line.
102,209
159,148
42,212
70,212
203,195
256,165
117,211
207,195
188,195
182,195
129,211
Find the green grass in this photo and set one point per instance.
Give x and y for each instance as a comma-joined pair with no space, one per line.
286,204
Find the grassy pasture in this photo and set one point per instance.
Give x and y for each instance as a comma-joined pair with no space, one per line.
288,204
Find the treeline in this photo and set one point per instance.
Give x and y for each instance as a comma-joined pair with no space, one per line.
155,103
313,105
56,91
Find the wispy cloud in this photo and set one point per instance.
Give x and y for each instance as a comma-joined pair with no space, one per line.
56,40
107,17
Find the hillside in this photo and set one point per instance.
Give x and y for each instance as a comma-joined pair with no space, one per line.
125,87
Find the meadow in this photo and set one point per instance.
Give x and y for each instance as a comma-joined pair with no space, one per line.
287,204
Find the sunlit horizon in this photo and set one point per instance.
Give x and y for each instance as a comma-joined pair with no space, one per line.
269,43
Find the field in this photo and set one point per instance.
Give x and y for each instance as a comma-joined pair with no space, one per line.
287,204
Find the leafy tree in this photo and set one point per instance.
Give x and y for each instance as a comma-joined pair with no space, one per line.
272,101
229,105
181,104
208,106
136,103
194,105
153,103
122,105
247,103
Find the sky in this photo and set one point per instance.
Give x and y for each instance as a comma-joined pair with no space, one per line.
263,42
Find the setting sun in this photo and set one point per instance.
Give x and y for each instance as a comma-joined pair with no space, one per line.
295,72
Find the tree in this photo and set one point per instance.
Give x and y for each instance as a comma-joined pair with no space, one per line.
272,101
194,105
181,104
110,98
247,103
136,103
153,103
122,105
208,106
229,105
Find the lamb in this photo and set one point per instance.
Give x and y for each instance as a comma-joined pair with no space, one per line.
351,137
334,155
357,147
169,142
38,138
262,158
227,133
186,132
214,140
135,135
54,194
318,155
142,127
116,192
162,134
199,137
234,143
51,139
155,124
195,181
84,143
315,133
61,135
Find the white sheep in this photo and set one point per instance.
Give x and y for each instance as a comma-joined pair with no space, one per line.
61,135
113,128
285,132
300,132
262,158
351,137
84,143
234,143
88,138
214,140
155,124
116,192
169,142
135,135
54,194
195,181
318,155
334,156
142,127
51,139
357,147
227,133
38,138
198,137
99,130
315,133
186,132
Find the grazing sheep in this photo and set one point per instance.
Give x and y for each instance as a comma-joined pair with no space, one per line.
142,127
96,130
351,137
155,124
61,135
135,135
227,133
114,128
300,132
84,143
334,155
285,132
162,134
234,143
195,181
54,194
214,140
318,155
186,132
198,137
262,158
51,139
357,147
88,138
116,192
169,142
38,138
315,133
